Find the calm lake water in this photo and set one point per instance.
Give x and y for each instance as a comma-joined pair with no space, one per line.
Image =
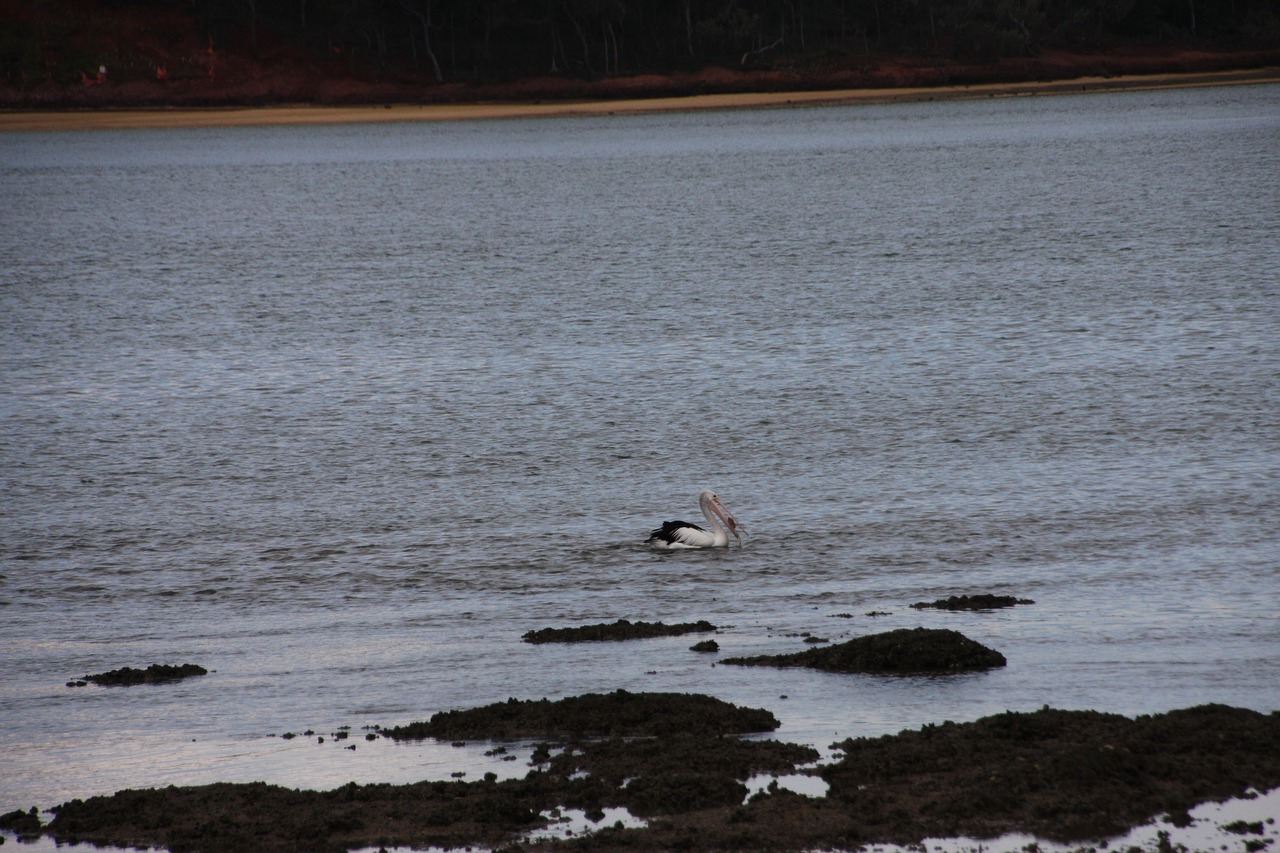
339,413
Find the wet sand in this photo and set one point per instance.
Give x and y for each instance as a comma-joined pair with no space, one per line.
117,119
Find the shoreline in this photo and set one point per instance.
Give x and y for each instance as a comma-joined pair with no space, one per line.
19,121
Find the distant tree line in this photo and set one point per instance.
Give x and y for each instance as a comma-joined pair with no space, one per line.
505,39
494,39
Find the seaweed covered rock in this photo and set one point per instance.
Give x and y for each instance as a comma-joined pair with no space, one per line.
907,651
240,818
620,630
157,673
23,824
619,713
985,601
682,774
1060,775
1077,776
675,774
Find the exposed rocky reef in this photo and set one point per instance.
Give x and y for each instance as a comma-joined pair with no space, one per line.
1070,776
906,651
984,601
26,825
1060,775
617,714
157,673
620,630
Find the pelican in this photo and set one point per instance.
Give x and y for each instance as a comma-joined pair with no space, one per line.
674,535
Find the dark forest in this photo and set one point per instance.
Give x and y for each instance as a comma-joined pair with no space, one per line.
497,40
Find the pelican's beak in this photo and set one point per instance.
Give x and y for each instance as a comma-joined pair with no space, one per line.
729,521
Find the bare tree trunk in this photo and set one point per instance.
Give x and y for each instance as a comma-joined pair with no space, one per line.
582,37
424,18
555,44
797,22
426,43
453,45
688,27
764,49
376,36
608,37
253,28
488,34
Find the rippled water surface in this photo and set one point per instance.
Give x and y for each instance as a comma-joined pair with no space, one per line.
339,413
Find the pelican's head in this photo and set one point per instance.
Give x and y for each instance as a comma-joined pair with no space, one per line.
710,500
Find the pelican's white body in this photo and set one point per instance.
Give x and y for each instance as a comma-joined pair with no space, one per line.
679,535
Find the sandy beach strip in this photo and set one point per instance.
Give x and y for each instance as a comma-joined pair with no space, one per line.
177,117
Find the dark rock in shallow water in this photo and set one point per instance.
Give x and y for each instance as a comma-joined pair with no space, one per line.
1060,775
619,713
676,774
1072,776
907,651
705,646
25,825
620,630
972,602
157,673
681,774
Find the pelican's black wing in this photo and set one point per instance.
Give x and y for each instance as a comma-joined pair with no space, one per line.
670,531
